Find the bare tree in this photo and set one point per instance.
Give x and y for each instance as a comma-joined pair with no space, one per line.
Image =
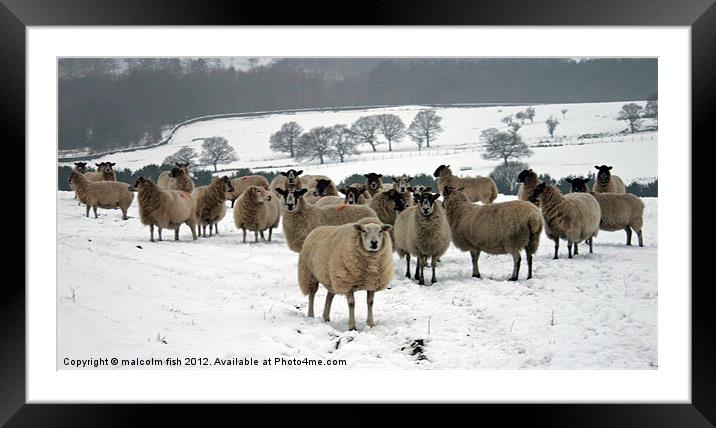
632,113
184,155
552,123
503,145
564,113
521,116
365,129
344,144
392,128
284,140
652,109
316,144
530,114
426,125
216,150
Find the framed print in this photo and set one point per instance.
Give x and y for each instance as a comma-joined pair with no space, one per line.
486,193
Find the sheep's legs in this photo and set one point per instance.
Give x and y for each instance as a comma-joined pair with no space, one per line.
576,248
311,298
244,235
88,208
628,232
528,256
638,235
192,227
151,232
262,235
423,262
327,307
351,310
210,230
256,236
591,241
369,321
159,231
407,265
232,203
95,211
216,227
417,267
176,233
270,233
475,255
569,250
432,265
516,266
124,214
556,248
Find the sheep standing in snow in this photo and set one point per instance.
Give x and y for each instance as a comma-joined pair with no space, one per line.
528,181
300,217
619,211
166,209
387,205
422,230
105,172
210,206
177,178
573,217
287,180
346,259
482,189
80,168
356,194
101,194
242,183
257,209
499,228
374,183
607,182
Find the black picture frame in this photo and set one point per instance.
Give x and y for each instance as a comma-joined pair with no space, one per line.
16,15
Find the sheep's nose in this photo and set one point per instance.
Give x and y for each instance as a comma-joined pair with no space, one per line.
374,244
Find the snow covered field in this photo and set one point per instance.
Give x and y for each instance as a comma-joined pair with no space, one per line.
633,156
120,295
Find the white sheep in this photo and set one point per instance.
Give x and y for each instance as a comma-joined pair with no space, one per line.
257,209
476,189
166,209
101,194
346,259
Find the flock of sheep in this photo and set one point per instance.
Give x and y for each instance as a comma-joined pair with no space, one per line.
346,242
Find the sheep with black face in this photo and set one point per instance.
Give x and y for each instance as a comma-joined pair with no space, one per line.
607,182
476,189
374,183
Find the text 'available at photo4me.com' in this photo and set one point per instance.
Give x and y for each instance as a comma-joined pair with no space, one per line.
114,362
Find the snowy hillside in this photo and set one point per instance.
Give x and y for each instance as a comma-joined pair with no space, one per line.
120,295
635,157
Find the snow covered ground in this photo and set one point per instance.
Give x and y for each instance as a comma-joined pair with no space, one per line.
121,296
633,156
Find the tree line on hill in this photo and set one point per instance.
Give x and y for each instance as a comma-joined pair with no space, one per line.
110,103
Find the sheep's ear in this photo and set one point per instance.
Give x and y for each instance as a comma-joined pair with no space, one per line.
301,192
609,168
113,164
568,180
596,167
343,190
283,173
409,189
379,175
436,195
280,191
365,175
586,180
299,172
98,165
358,227
386,227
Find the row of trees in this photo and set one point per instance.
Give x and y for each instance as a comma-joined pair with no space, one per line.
634,113
214,151
341,141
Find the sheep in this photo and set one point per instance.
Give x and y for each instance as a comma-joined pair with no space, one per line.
528,181
402,185
330,200
356,194
257,209
423,231
618,210
386,204
573,217
242,183
374,183
482,189
345,259
606,182
166,209
288,180
80,168
300,217
104,172
102,194
499,228
418,190
320,188
210,206
177,178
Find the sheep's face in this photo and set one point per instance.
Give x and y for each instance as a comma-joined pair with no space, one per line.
418,190
579,184
352,194
441,169
373,181
178,171
291,198
292,176
372,235
451,192
106,167
81,167
259,194
524,175
139,184
603,173
322,186
537,193
402,183
73,177
228,186
426,202
397,198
